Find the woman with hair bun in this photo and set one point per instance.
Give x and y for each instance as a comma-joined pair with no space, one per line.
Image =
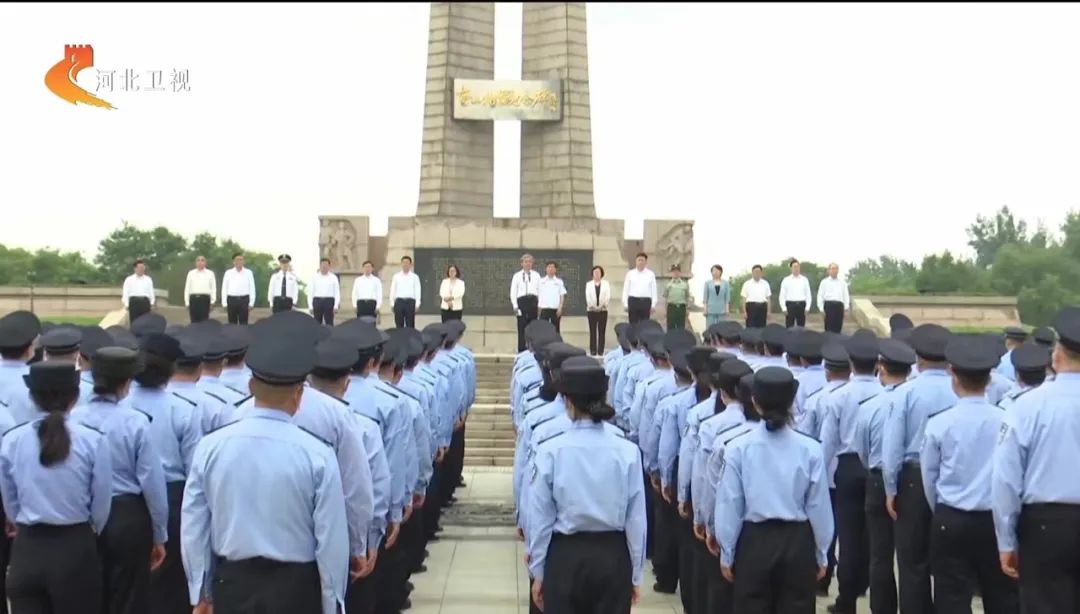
56,482
776,523
586,506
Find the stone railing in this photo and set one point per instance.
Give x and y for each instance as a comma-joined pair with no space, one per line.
60,301
950,311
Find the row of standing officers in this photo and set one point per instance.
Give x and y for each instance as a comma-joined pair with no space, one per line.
729,464
283,467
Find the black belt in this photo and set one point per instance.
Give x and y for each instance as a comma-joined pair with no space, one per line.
42,529
258,563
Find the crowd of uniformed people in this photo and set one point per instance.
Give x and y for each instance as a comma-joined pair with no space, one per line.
285,467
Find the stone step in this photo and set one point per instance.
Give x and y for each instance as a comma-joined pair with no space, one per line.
493,399
487,461
490,452
496,426
489,444
489,408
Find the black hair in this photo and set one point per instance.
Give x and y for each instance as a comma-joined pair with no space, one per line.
641,255
187,369
233,361
456,269
593,405
792,263
367,262
53,436
717,267
108,386
237,255
365,357
14,353
329,375
595,267
746,398
896,369
551,263
774,349
863,367
412,361
812,360
138,261
1031,378
974,382
156,372
775,410
404,258
702,389
756,267
322,260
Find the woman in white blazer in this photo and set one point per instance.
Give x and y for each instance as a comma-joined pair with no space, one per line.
452,291
597,297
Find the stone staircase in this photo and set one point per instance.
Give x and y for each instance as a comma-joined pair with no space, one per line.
489,436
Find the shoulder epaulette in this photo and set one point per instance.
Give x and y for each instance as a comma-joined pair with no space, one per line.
147,414
537,425
732,427
328,444
386,392
218,428
98,431
374,419
233,389
404,392
700,422
212,395
3,404
811,395
534,385
338,399
838,387
803,434
182,398
621,430
547,439
242,401
13,428
873,396
1023,392
738,435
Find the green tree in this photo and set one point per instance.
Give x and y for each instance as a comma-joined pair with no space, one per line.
159,247
946,274
1039,303
1070,231
883,276
45,267
219,257
989,234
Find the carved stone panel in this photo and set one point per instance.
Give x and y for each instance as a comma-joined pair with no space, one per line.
344,240
669,242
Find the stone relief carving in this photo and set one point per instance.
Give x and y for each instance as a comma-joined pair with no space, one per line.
674,245
338,241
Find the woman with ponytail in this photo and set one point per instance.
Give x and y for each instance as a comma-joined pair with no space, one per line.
776,522
586,506
55,478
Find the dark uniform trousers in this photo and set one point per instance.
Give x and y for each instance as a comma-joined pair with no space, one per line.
281,303
665,552
360,595
168,585
774,568
718,591
879,531
55,570
405,313
237,308
588,573
687,565
964,554
834,316
5,557
137,306
391,573
704,562
1049,551
528,305
796,314
756,315
853,564
830,554
551,315
365,308
199,307
912,531
638,308
322,309
266,586
125,556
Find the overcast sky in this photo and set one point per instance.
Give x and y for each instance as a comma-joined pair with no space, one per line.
826,132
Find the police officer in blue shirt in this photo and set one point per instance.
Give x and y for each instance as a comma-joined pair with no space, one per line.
133,541
175,429
586,540
18,330
235,374
210,409
93,339
1044,336
1030,362
297,558
1015,336
807,345
59,344
777,523
55,478
929,393
1036,496
213,361
957,462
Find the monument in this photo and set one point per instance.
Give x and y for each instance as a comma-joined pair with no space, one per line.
455,221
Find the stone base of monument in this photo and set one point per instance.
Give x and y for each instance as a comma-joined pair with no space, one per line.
488,253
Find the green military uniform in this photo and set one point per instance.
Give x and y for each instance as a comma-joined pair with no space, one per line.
676,296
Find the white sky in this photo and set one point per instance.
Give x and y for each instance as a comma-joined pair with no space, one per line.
826,132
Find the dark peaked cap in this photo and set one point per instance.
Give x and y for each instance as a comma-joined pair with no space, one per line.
582,375
1044,335
679,338
115,362
972,353
93,339
555,353
774,334
148,323
363,335
774,385
286,355
1031,357
122,337
835,356
192,349
751,336
18,329
335,354
804,344
678,358
929,341
1067,324
1016,333
896,352
697,356
899,321
862,348
731,372
161,345
299,325
536,327
62,340
52,376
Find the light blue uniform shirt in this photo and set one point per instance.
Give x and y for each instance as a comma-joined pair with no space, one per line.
134,459
611,368
811,379
771,361
11,379
1035,460
86,386
212,385
714,466
928,394
367,396
661,386
1005,368
412,385
529,380
586,480
234,470
703,492
870,426
21,408
841,414
443,391
809,423
418,442
237,380
174,427
773,475
957,454
539,412
998,388
624,391
469,359
379,469
75,490
665,423
632,391
430,379
6,421
210,410
689,445
1017,391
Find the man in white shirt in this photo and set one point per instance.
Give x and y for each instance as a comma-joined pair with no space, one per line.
551,293
795,296
833,299
367,292
325,294
524,297
405,294
284,288
639,290
138,292
199,291
238,291
755,295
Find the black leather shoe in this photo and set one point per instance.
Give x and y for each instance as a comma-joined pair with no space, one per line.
407,605
420,569
409,587
660,588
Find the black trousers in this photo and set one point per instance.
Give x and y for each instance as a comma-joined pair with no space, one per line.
796,314
718,591
551,315
125,556
638,309
588,573
879,531
830,554
704,564
912,531
168,585
360,595
665,552
137,306
405,313
597,332
5,557
322,308
756,315
457,455
775,567
365,308
55,570
964,555
266,587
854,561
834,316
237,308
528,305
650,516
281,303
687,562
1049,538
391,575
199,307
451,314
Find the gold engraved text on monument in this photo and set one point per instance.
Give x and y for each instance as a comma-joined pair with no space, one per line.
510,98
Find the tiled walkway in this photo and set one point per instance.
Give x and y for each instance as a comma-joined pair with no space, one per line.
480,570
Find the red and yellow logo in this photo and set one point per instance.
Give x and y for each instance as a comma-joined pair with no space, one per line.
61,77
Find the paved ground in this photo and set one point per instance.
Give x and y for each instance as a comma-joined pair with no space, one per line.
480,569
